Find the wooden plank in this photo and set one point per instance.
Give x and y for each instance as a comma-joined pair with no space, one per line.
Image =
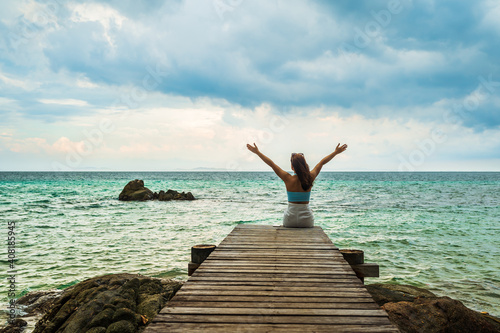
309,305
248,319
271,299
326,263
335,293
277,260
229,270
276,276
276,251
366,270
194,286
273,311
227,246
226,265
278,328
293,283
264,255
221,277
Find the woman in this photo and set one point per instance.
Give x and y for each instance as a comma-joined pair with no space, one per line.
298,186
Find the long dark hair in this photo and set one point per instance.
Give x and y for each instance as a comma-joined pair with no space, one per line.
302,170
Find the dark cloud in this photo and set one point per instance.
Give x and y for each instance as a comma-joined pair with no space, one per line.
278,52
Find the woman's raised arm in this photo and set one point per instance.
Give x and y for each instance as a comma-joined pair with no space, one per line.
280,172
317,169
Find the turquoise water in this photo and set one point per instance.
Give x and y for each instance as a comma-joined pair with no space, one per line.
434,230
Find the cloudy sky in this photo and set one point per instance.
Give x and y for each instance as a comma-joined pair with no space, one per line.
180,85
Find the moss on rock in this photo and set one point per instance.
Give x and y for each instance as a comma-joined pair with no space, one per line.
122,326
109,302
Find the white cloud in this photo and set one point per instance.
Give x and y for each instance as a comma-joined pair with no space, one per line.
108,17
23,84
69,101
209,135
491,10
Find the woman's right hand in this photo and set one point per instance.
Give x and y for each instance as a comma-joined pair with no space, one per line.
340,149
253,148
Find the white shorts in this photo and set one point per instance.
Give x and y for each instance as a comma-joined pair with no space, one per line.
298,216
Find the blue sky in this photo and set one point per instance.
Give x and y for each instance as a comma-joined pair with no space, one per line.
170,85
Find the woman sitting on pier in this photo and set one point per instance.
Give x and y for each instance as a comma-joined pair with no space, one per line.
298,186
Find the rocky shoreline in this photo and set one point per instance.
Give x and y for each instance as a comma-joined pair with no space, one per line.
115,303
126,303
414,309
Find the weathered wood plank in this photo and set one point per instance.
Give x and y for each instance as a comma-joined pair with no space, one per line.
272,263
274,311
272,299
297,283
248,319
278,328
194,286
281,268
254,304
277,260
343,293
276,276
227,246
221,277
229,270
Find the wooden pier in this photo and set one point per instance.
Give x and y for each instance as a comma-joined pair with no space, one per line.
273,279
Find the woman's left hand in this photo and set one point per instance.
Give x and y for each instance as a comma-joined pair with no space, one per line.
340,149
253,148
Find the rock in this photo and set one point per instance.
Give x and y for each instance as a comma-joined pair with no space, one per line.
135,191
437,314
38,302
32,306
162,196
125,314
15,326
97,330
109,303
150,306
104,318
383,293
414,309
121,326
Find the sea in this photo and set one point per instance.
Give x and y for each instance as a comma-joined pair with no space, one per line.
436,230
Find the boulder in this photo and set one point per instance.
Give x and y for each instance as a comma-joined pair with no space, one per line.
32,307
414,309
109,303
15,326
438,314
135,191
383,293
162,196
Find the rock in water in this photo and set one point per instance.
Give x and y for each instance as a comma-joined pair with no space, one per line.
109,303
135,191
415,309
162,196
384,293
440,314
15,326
